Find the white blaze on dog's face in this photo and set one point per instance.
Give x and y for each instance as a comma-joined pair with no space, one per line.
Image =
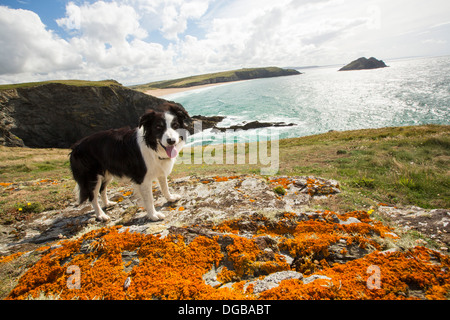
170,140
165,132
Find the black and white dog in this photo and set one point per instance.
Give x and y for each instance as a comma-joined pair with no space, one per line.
142,155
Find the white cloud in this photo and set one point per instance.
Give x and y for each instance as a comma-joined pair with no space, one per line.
170,16
136,41
108,33
29,47
282,33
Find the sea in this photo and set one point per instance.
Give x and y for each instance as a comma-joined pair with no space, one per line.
411,91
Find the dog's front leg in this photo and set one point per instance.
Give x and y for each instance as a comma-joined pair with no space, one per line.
145,189
165,190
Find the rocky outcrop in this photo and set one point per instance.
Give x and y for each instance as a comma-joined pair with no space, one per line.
364,63
233,237
205,122
210,122
255,125
57,115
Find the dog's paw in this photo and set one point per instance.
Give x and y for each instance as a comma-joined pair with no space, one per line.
156,216
110,203
174,197
102,217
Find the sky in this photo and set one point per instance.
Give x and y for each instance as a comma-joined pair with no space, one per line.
138,41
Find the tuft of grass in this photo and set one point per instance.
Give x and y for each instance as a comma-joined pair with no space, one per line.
280,190
29,207
364,182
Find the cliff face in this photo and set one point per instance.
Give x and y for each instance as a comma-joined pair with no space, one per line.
364,63
57,115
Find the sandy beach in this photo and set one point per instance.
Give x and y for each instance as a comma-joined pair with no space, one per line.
164,92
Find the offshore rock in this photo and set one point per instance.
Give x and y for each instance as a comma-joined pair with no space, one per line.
364,63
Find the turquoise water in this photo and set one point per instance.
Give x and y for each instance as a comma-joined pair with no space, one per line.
409,92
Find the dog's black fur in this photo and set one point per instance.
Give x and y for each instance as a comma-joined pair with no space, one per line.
117,152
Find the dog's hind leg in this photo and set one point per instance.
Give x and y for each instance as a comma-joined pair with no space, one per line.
99,214
107,179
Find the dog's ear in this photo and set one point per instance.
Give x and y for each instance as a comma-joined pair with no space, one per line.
147,119
181,114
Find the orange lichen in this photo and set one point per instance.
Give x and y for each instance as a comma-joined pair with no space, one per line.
221,179
226,275
11,257
168,268
284,182
242,252
173,267
5,184
315,187
51,181
398,271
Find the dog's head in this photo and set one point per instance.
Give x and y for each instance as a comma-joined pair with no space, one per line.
165,132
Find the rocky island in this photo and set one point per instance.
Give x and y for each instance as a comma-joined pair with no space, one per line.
364,63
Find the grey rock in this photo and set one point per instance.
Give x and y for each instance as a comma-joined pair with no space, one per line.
350,220
314,277
273,280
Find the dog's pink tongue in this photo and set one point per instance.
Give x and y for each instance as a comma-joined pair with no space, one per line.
171,151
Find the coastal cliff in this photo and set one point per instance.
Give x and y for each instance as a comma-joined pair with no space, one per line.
219,77
55,114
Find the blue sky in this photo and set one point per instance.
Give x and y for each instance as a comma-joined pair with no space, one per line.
137,41
48,10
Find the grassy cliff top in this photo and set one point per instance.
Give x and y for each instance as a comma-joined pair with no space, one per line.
217,77
401,166
78,83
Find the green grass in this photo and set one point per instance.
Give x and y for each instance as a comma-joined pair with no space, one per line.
78,83
398,166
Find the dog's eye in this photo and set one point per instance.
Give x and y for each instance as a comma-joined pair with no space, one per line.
175,125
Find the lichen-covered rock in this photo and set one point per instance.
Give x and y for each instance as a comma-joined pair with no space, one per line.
227,238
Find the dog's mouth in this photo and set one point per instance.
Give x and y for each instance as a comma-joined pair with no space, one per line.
171,151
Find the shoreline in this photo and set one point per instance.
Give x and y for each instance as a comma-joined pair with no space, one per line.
159,93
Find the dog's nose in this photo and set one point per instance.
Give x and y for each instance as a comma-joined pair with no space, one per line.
170,141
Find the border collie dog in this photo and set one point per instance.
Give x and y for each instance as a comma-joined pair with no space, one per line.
142,155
